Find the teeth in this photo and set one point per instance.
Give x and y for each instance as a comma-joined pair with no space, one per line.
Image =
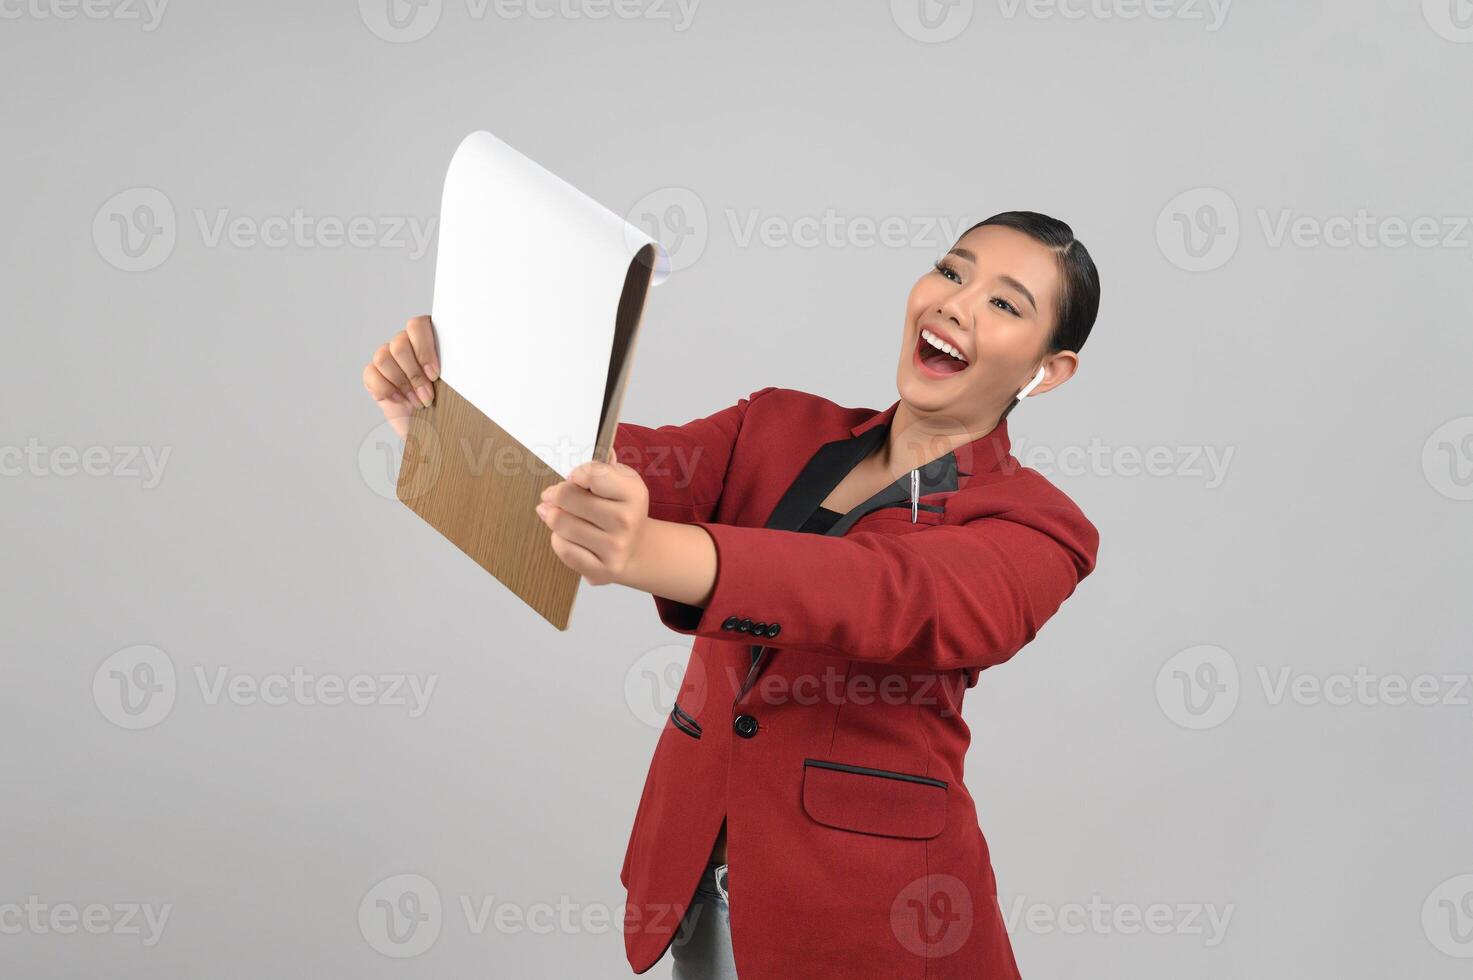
942,345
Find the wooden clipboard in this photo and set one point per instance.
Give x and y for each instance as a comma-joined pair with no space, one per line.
479,487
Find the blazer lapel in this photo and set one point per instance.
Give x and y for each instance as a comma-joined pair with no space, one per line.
833,461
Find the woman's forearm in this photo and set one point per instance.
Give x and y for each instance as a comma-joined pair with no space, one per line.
677,561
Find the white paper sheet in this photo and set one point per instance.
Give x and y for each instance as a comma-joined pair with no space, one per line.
528,275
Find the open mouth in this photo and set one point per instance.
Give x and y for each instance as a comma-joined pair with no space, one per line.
937,356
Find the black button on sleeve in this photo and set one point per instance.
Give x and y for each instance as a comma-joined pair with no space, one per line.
731,623
745,625
773,629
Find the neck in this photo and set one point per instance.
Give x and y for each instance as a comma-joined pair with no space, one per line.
916,439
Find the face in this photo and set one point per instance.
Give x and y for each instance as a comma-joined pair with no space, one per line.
993,299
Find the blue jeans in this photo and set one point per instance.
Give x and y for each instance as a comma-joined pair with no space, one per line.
702,945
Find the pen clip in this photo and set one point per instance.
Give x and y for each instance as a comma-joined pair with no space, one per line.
915,495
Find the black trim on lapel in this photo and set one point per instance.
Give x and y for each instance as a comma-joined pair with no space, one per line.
824,471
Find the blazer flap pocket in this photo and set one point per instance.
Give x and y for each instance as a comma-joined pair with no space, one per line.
873,801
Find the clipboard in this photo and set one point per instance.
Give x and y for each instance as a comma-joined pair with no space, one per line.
532,375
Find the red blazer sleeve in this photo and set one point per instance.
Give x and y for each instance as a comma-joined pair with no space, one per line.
960,595
684,466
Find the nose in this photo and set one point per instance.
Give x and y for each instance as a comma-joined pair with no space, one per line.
948,309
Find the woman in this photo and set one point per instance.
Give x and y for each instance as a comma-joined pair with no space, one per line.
804,813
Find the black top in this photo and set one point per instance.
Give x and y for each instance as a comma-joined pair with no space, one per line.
821,520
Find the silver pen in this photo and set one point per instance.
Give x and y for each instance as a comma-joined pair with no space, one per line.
915,494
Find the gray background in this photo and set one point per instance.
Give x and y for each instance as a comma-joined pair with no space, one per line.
1141,752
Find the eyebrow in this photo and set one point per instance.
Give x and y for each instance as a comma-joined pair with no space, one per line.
1006,279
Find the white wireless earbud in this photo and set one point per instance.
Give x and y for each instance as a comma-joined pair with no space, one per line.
1032,384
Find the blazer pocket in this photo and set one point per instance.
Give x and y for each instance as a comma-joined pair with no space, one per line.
683,721
873,801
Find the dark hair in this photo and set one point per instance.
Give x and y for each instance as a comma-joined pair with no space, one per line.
1079,301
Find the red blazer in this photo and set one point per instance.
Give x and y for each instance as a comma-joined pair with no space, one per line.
820,712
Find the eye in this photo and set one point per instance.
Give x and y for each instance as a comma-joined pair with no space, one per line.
940,266
1005,305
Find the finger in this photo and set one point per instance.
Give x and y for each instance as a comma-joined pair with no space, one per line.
578,530
422,339
605,514
577,557
397,412
403,352
606,480
394,374
380,387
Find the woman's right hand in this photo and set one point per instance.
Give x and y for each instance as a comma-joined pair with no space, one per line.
399,374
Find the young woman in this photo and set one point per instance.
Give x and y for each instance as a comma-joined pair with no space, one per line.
846,574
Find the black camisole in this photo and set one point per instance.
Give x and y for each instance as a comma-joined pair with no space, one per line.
821,520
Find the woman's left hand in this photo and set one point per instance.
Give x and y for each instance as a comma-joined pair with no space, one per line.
598,516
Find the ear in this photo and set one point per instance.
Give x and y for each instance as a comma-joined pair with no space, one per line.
1058,368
